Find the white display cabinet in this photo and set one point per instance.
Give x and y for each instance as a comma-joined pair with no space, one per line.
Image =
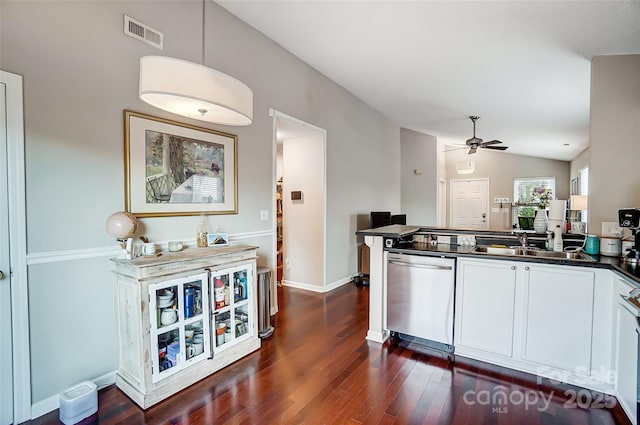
167,318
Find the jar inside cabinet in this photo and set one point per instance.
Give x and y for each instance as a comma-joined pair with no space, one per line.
178,324
221,292
241,322
222,325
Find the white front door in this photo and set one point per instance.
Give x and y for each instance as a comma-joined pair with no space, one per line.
6,362
470,203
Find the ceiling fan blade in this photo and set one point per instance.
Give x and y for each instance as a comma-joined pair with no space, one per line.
492,142
455,149
496,148
472,150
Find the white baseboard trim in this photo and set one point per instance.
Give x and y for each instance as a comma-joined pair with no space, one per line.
338,283
112,251
305,286
315,288
52,403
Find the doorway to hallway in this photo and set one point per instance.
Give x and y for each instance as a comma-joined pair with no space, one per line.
300,197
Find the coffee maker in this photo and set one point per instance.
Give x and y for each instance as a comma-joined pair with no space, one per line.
630,218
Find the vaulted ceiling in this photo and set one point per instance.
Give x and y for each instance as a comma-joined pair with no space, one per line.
522,66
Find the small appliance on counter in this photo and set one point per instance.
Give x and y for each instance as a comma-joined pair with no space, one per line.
610,246
592,245
630,218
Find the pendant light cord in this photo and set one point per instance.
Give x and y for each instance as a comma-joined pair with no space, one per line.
203,32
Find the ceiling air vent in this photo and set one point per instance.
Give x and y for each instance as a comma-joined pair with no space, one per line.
142,32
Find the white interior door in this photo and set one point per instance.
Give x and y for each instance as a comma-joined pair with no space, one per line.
6,347
470,203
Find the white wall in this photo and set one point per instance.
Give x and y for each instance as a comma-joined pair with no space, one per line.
501,168
303,221
80,72
578,163
614,131
419,191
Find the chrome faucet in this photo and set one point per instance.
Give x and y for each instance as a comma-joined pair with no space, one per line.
523,238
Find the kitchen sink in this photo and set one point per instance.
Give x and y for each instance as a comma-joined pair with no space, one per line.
561,255
531,252
491,250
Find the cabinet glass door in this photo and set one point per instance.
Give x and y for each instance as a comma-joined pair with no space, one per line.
179,328
232,319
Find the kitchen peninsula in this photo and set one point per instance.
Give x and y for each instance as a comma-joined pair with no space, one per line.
556,316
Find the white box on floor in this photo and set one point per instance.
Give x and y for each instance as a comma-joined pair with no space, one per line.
78,402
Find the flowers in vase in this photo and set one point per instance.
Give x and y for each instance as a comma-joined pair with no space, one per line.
542,196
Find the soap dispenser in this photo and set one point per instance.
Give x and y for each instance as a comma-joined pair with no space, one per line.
548,243
557,239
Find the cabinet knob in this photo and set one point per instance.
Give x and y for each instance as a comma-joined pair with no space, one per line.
1,275
513,267
527,268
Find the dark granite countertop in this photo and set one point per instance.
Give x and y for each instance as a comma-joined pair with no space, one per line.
392,231
485,237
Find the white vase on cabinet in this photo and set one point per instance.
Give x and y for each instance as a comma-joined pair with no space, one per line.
541,221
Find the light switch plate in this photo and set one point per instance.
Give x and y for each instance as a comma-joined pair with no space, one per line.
264,215
611,228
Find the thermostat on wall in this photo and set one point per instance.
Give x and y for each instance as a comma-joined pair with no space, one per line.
296,195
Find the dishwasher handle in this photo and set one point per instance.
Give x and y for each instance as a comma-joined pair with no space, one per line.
420,266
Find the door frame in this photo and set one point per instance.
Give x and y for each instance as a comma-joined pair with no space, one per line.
16,192
275,114
451,199
442,203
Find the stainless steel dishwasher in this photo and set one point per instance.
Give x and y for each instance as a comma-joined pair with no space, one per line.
420,293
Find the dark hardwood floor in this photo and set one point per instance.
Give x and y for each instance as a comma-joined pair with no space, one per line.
318,368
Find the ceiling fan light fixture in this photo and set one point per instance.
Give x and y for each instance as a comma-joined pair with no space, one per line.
465,167
194,91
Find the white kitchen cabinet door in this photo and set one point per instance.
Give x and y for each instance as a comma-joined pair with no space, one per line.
485,302
232,318
171,338
626,363
558,318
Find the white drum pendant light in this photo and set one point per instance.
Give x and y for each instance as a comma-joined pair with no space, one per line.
194,90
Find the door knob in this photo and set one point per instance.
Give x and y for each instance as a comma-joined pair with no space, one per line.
1,275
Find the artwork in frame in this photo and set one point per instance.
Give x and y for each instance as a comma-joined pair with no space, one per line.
173,169
217,239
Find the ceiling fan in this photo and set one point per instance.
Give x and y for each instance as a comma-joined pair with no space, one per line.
475,142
